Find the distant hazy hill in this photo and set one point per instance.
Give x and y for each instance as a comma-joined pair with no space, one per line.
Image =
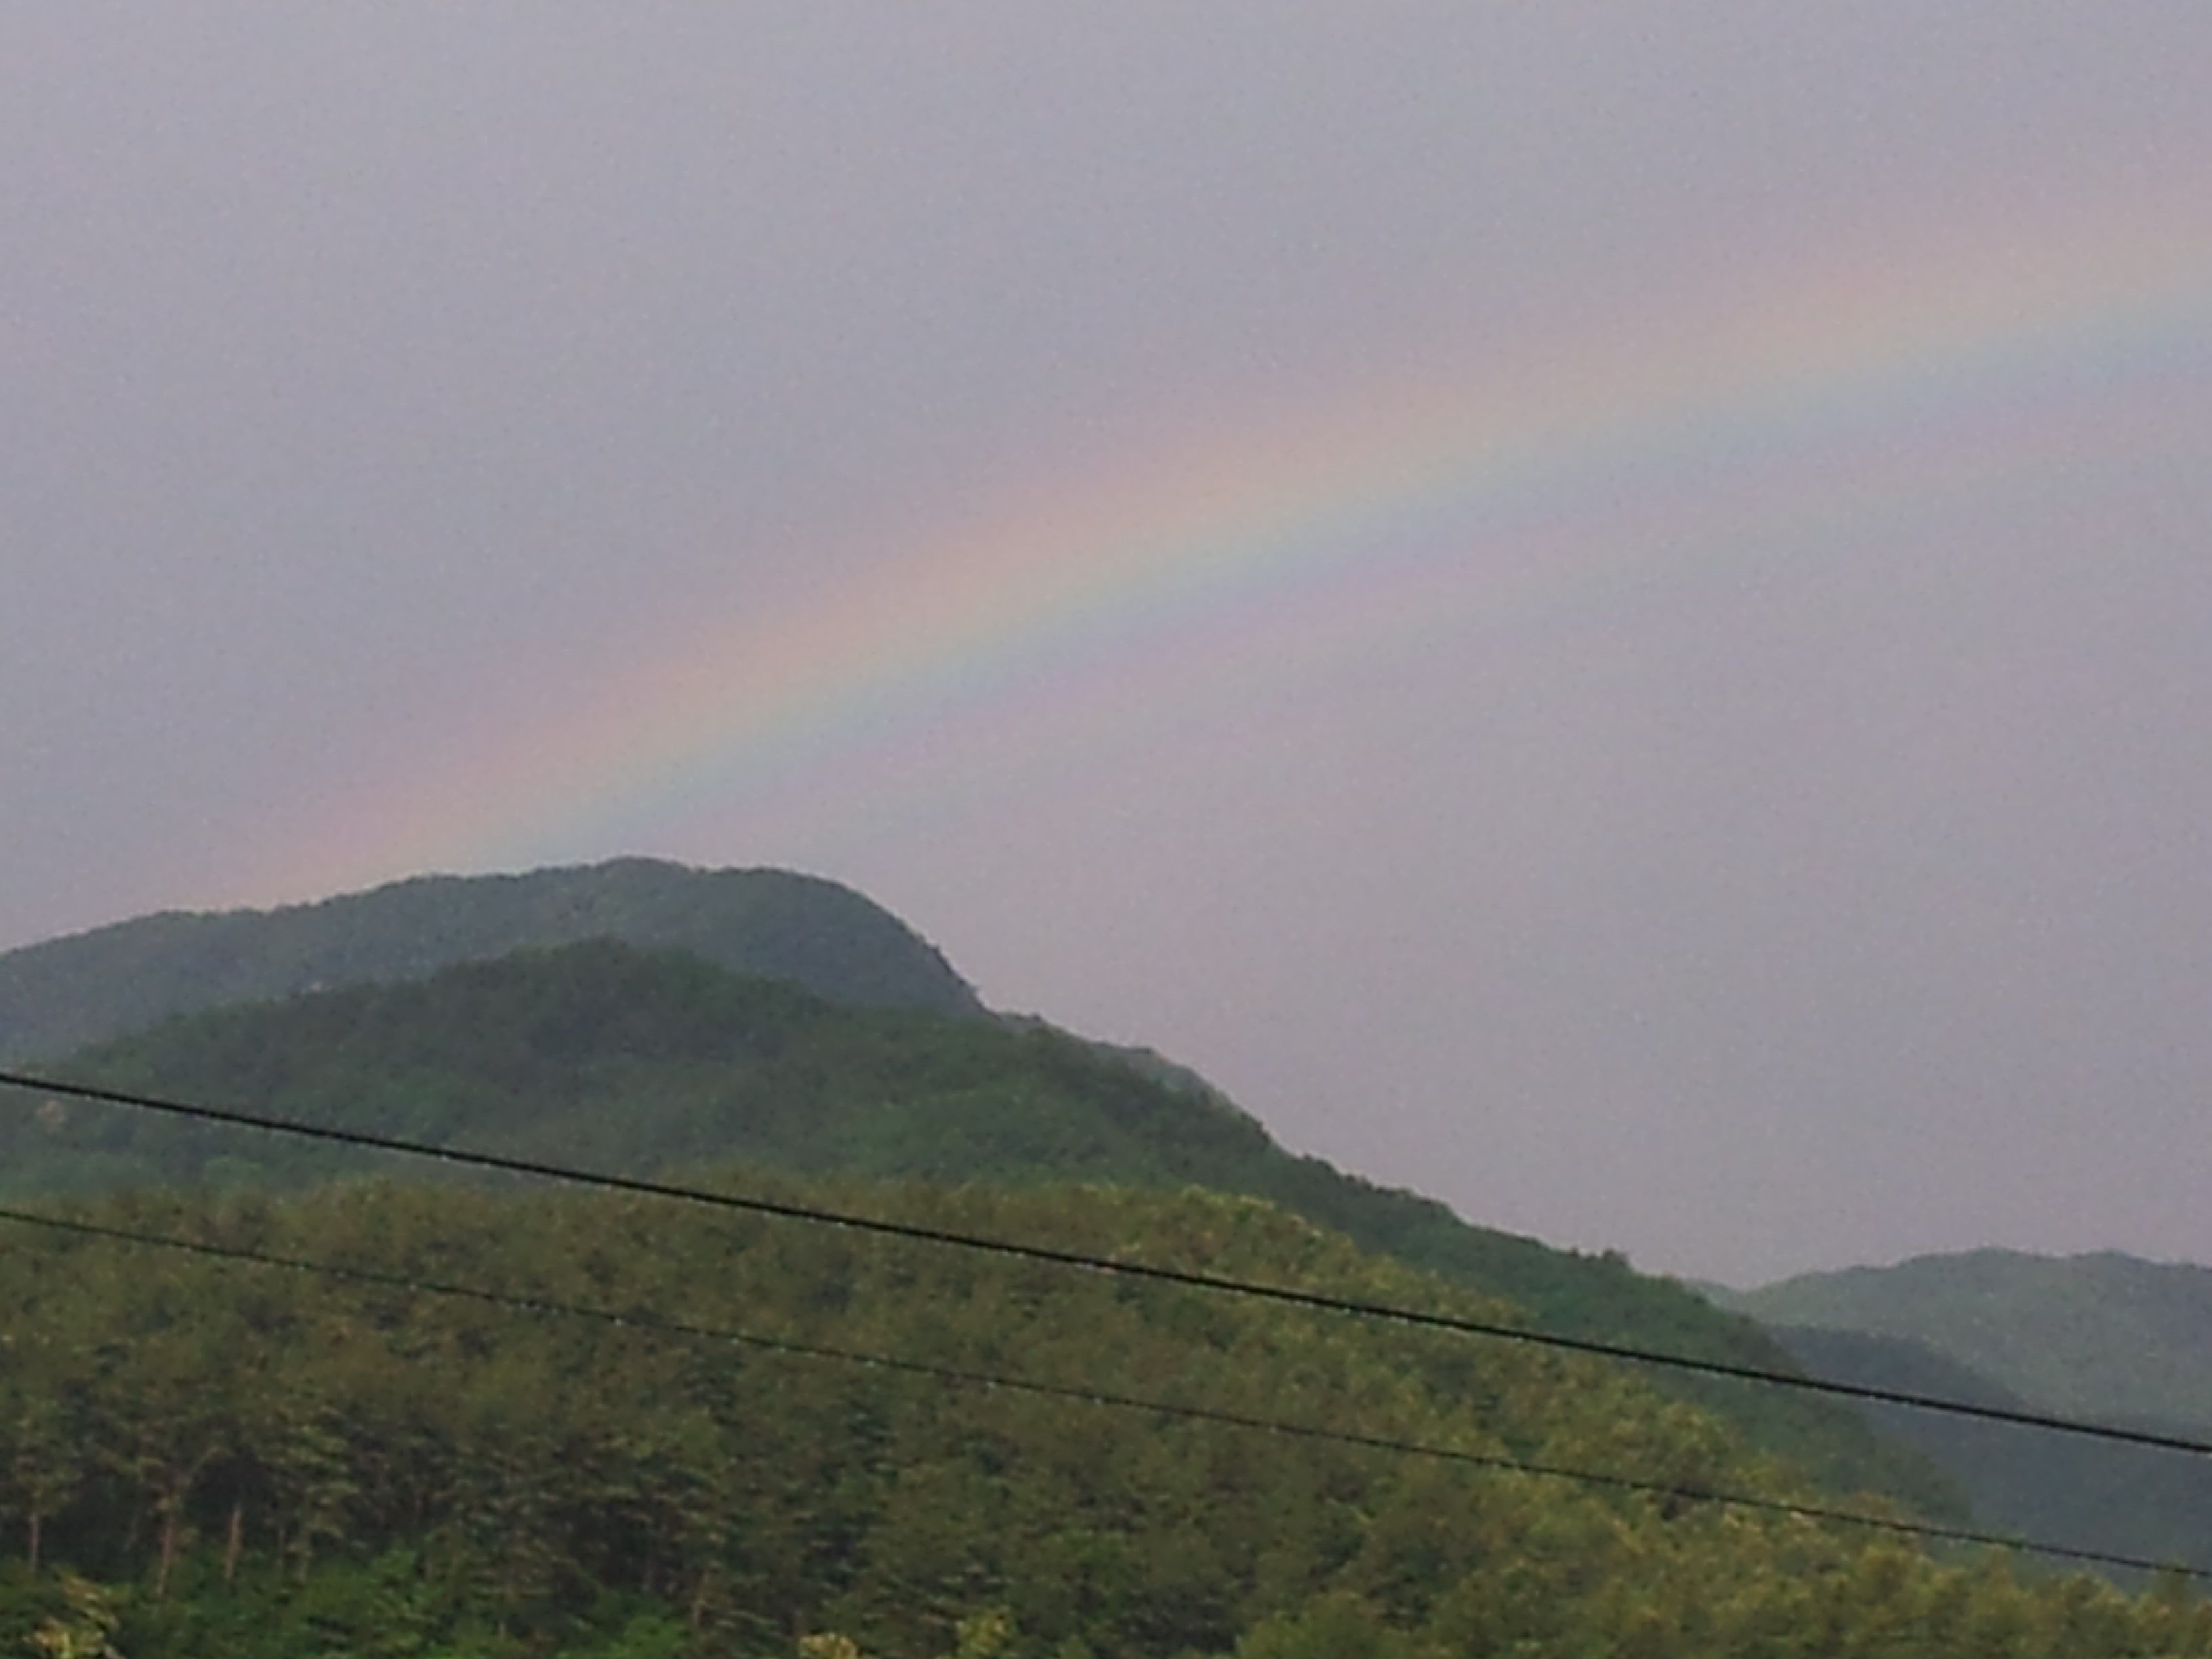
57,996
2106,1334
632,1060
2059,1488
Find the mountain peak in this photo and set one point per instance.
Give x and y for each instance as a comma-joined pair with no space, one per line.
777,924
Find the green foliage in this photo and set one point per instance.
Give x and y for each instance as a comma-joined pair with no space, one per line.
60,1616
1338,1625
272,1463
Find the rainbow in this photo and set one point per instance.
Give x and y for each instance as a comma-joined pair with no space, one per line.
1407,504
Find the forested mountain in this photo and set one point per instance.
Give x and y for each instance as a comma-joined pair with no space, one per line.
799,1028
201,1459
58,995
2105,1334
622,1059
2066,1490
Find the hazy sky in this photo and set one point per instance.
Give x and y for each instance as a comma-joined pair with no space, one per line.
1605,611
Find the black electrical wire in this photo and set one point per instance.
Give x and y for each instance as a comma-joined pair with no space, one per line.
1018,1250
522,1303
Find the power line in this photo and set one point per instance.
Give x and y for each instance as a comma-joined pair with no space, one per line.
1189,1278
520,1302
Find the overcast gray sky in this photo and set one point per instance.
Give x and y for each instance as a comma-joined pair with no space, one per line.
1603,612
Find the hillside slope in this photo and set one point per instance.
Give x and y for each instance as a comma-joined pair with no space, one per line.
2105,1334
2082,1493
637,1061
59,995
257,1464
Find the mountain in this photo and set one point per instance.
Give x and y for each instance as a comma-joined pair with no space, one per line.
2100,1335
61,994
633,1060
2107,1336
2064,1489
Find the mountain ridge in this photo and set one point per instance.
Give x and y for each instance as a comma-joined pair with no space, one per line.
2084,1494
2100,1333
60,994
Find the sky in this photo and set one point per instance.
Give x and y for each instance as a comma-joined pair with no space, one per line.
1604,612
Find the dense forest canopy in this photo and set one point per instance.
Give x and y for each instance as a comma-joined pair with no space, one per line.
210,1458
